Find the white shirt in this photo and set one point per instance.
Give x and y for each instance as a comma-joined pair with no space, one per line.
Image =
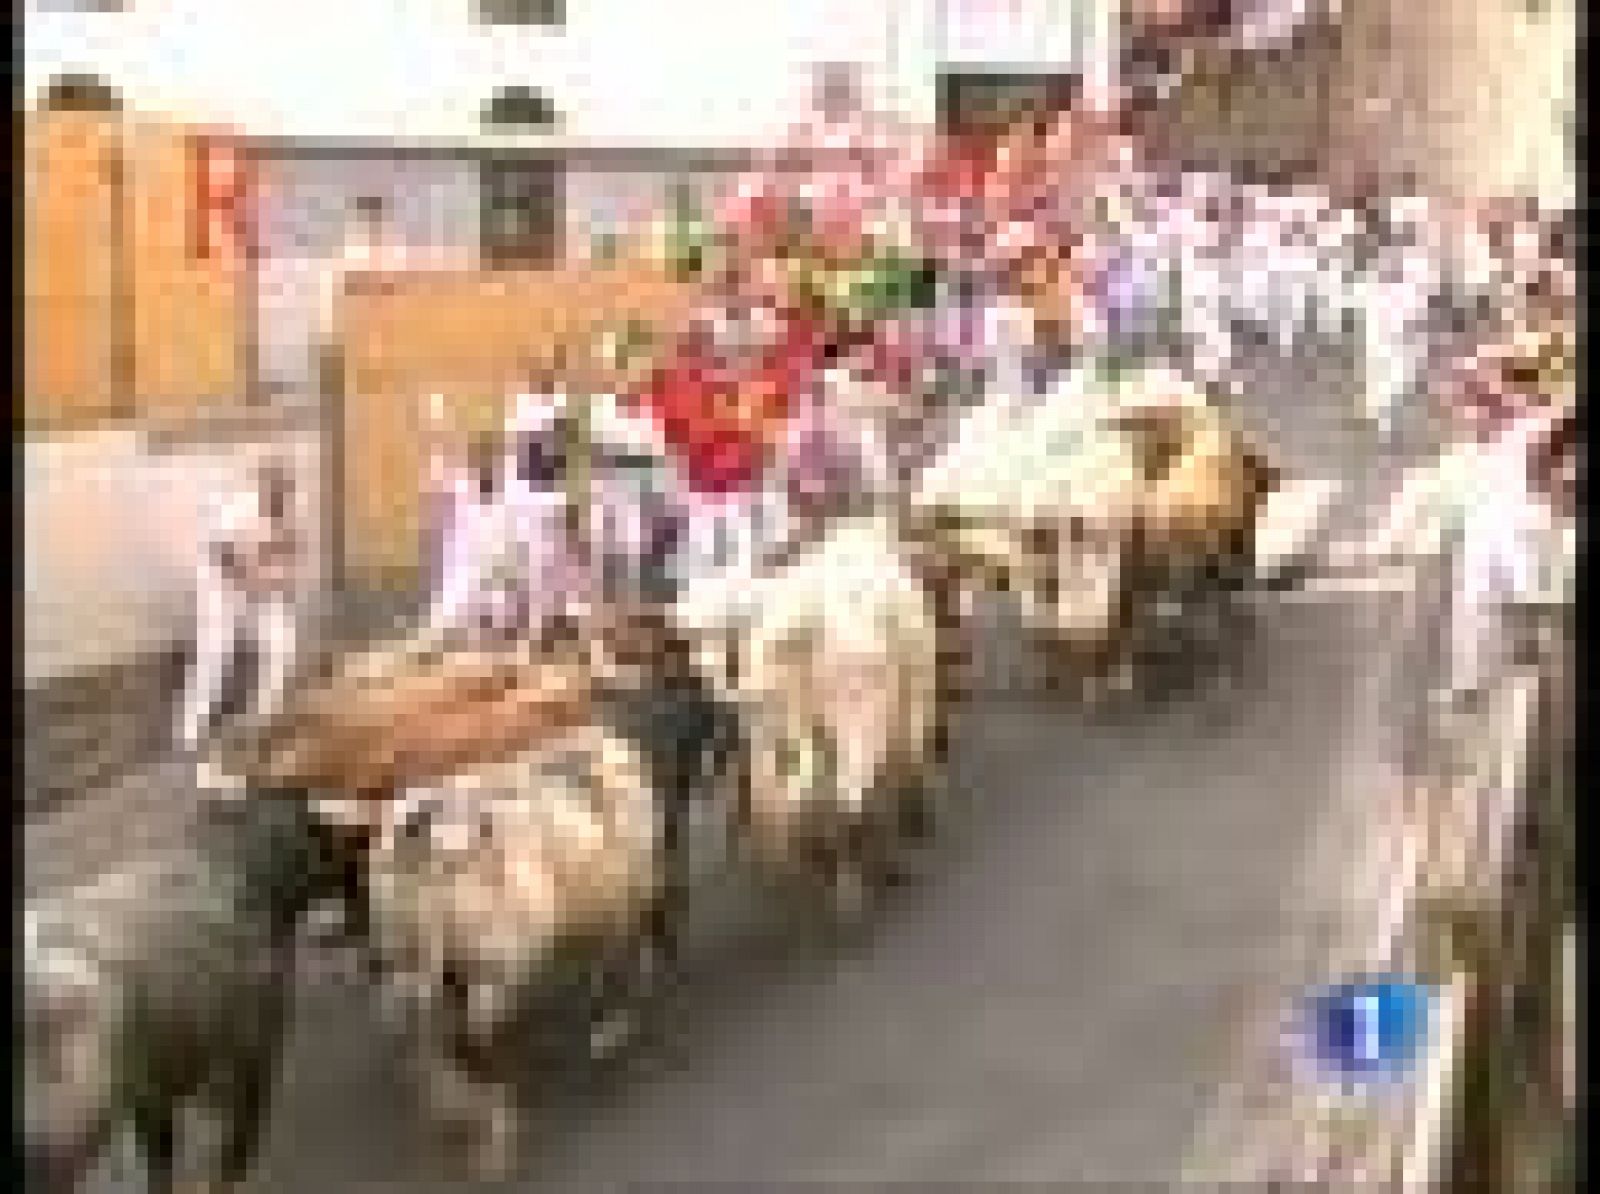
238,523
483,559
1516,538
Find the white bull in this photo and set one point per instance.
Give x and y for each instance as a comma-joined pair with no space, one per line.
1042,497
484,885
836,664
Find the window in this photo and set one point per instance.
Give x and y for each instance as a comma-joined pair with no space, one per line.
985,103
550,13
521,208
80,93
520,109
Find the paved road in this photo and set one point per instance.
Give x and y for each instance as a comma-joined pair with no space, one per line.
1056,1004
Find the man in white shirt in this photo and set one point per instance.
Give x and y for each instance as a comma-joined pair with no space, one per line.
632,513
479,560
1512,547
539,502
251,578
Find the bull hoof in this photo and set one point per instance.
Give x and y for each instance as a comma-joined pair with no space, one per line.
920,812
850,898
494,1155
612,1034
858,878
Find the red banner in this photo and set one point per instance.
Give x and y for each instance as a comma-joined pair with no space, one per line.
223,193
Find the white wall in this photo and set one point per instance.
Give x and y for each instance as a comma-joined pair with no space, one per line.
354,68
705,72
110,542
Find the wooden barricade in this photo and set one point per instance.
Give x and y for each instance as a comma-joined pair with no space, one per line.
469,337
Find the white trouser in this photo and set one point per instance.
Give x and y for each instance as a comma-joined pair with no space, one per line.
1395,332
461,587
1498,562
727,532
879,462
1205,310
227,616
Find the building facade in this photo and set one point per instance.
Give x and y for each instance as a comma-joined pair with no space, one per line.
709,73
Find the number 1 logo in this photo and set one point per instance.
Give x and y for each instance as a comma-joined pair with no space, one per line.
1367,1030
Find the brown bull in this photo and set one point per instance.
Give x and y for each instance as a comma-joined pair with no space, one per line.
1206,488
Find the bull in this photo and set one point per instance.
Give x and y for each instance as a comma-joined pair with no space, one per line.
497,893
834,659
1096,507
167,984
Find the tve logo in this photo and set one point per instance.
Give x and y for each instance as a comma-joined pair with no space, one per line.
1361,1031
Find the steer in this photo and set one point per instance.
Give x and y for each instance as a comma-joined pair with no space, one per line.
168,983
491,889
839,677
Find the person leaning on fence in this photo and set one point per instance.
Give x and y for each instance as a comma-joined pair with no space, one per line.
252,576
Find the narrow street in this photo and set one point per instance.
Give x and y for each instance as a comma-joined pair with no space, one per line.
1058,1001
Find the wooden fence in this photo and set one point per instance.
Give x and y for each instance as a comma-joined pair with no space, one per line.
470,338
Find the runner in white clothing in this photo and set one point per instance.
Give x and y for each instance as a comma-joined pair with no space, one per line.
1512,543
479,567
540,506
250,581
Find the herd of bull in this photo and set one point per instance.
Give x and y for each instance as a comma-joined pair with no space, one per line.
510,824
